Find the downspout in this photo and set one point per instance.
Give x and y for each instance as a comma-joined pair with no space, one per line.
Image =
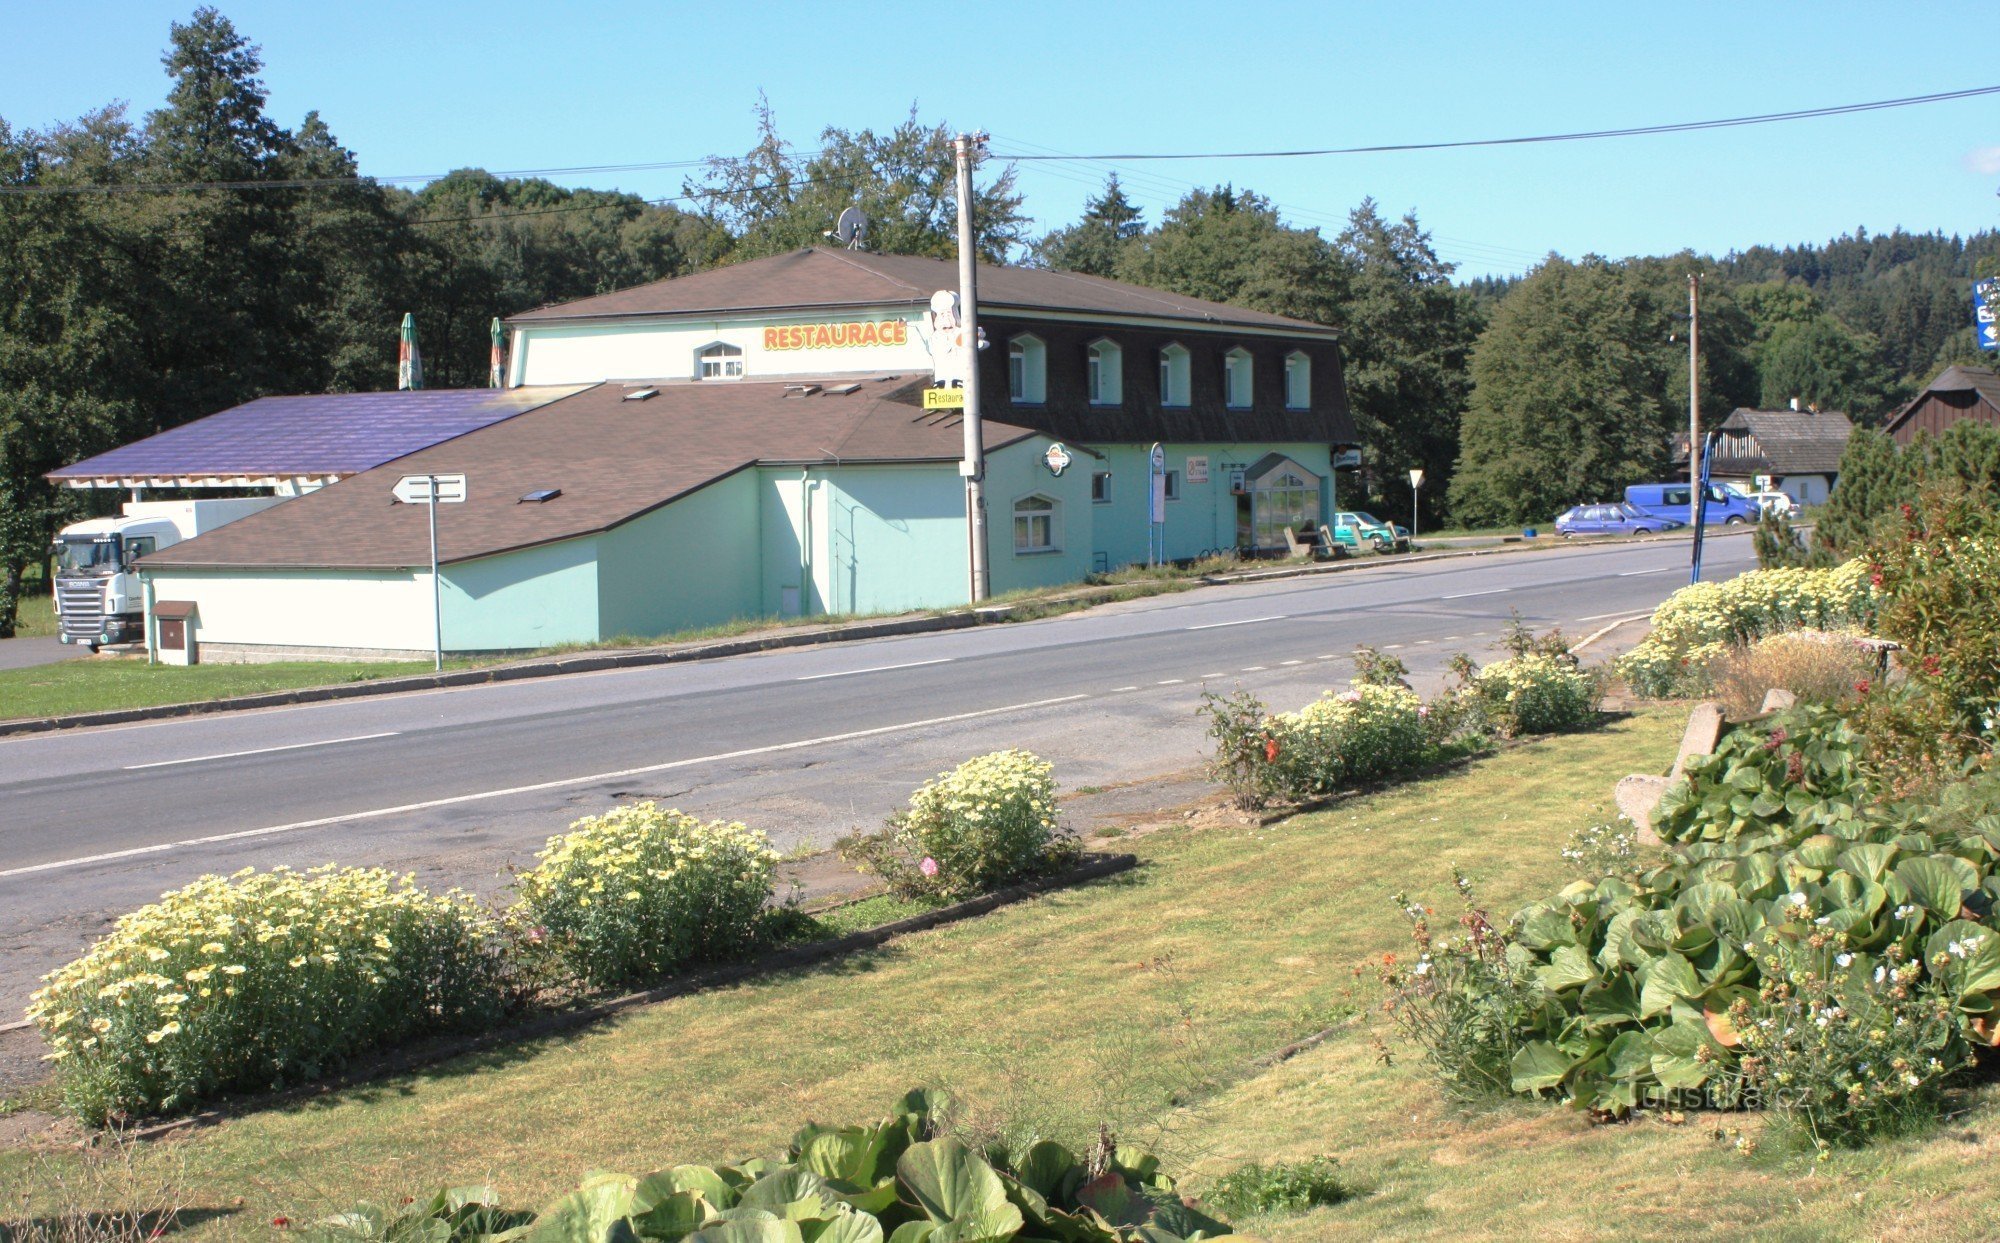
805,541
146,621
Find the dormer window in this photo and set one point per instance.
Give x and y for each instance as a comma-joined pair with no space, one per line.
1027,370
1106,364
1298,381
1236,379
718,361
1174,376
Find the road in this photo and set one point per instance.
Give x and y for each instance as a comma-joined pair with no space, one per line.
806,743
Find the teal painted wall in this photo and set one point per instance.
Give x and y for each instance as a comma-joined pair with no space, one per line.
536,597
693,563
1018,471
893,538
1204,518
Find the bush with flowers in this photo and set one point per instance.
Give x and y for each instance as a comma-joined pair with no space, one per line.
259,980
1535,694
990,821
1360,734
1701,622
642,891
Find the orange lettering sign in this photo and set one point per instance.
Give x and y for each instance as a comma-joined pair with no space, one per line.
837,336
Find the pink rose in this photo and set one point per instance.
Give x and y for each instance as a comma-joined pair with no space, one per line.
928,867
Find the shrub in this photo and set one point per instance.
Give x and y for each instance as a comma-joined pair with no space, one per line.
1699,622
895,1179
1245,748
258,980
1821,666
1337,740
1282,1187
1937,568
640,891
1536,694
1795,773
1374,667
990,821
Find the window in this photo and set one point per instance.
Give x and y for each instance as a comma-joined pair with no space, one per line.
1298,381
1034,525
720,361
1173,485
1174,376
1236,379
1027,370
1100,488
137,546
1676,496
1107,373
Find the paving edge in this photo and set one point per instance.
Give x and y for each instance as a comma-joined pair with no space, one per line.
1094,867
856,632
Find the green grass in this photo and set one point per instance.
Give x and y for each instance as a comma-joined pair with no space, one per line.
100,683
1147,1001
35,616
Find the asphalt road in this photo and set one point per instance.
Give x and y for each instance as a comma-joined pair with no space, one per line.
806,743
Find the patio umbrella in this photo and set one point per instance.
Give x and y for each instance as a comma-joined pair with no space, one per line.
409,363
496,374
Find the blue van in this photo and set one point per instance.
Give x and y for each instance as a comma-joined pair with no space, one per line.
1670,500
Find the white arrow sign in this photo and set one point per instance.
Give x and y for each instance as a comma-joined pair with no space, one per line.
420,489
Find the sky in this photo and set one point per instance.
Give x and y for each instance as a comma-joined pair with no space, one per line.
425,86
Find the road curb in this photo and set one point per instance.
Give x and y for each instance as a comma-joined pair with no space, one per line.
597,662
1093,867
1607,628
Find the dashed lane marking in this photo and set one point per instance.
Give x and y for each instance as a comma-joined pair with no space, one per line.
230,755
1244,622
1467,595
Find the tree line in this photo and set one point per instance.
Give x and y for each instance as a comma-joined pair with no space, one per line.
218,256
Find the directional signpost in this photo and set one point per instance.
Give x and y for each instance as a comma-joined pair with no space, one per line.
433,491
1985,311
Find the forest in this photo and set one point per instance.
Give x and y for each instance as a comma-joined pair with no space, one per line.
159,268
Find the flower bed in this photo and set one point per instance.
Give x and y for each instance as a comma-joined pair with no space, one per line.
1535,694
262,979
1701,622
988,822
1337,740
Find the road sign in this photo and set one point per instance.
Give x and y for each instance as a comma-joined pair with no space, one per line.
419,489
1986,313
944,399
1416,478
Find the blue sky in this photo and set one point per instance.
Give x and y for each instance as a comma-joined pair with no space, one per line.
503,84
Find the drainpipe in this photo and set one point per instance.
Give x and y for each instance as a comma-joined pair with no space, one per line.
805,541
146,617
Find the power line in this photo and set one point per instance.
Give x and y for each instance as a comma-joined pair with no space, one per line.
1677,127
331,183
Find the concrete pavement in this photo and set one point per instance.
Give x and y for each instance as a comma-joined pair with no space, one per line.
458,784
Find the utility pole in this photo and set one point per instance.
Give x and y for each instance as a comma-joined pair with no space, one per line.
974,465
1694,402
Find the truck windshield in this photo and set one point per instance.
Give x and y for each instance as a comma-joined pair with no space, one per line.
87,556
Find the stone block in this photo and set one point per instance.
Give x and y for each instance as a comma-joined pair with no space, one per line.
1638,796
1777,699
1704,730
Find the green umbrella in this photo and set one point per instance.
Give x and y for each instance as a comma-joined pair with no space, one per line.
409,363
496,375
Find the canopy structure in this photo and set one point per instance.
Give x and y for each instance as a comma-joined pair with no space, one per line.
301,443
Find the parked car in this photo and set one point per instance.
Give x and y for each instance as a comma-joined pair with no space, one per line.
1670,500
1353,529
1614,519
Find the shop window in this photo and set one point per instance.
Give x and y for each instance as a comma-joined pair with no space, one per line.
1174,376
1107,373
1236,379
1100,488
720,361
1298,381
1173,485
1027,370
1036,525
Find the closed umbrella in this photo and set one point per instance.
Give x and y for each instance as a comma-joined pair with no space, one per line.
496,374
409,363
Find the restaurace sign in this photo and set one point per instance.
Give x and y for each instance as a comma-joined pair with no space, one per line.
837,336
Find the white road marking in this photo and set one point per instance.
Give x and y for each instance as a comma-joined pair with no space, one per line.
1116,689
848,673
1291,662
1253,668
1390,647
1206,676
1330,656
457,799
1170,682
230,755
1656,570
1451,638
1467,595
1245,622
1602,616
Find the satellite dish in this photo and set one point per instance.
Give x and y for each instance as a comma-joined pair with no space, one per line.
852,228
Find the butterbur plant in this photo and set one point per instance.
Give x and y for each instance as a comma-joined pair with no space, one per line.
988,822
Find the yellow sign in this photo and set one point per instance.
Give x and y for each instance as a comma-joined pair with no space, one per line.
944,399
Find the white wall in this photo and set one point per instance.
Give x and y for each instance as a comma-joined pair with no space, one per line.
306,608
1805,489
664,350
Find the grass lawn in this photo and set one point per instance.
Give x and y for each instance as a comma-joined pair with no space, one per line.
101,683
35,615
1145,1001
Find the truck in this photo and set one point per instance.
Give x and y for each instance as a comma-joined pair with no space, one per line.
1670,500
99,599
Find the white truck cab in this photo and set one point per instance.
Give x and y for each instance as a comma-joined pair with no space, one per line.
99,599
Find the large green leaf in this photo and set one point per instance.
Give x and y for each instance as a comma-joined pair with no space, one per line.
1611,1004
1868,860
1044,1167
1685,1055
991,1226
749,1230
1973,954
1569,967
1936,884
846,1228
712,1186
947,1181
793,1192
671,1217
1538,1066
595,1212
1668,980
1630,1056
1545,927
914,1232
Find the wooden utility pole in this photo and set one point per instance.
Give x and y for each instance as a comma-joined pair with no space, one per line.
974,465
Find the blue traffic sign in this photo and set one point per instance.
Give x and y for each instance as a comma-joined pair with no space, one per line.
1986,313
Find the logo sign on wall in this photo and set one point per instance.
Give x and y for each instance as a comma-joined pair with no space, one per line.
1986,313
1057,458
1197,470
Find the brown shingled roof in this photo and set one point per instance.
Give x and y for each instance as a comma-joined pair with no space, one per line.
613,459
820,279
1794,442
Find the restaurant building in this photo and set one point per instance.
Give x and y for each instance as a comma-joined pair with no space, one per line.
753,441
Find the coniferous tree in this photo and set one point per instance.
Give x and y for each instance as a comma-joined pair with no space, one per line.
1092,245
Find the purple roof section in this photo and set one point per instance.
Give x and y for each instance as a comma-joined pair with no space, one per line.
321,437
